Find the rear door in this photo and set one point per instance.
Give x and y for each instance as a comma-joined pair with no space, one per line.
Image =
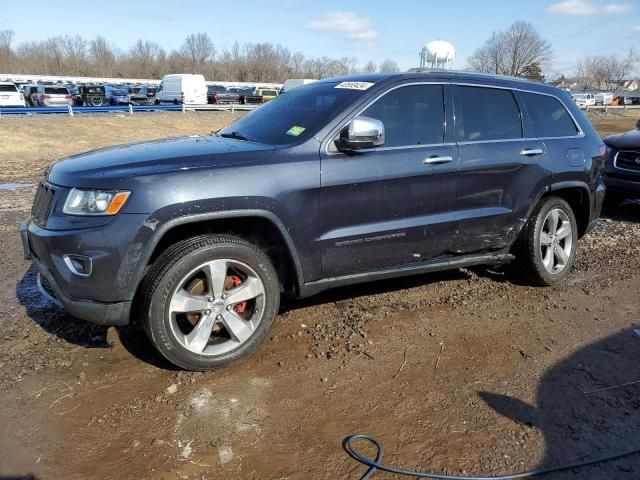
392,205
503,167
563,139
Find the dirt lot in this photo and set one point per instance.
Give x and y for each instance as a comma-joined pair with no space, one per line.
466,372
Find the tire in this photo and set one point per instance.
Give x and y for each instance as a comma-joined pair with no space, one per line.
213,330
532,251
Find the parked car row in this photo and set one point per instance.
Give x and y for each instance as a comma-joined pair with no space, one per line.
604,98
50,95
219,94
189,89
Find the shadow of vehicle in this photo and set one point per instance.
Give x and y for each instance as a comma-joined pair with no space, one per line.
627,211
588,406
56,321
353,292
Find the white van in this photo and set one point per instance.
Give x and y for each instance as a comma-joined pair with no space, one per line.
186,88
604,98
584,99
295,82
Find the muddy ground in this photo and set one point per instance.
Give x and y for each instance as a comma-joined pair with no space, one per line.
464,372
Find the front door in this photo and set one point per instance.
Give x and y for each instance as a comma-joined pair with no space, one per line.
392,205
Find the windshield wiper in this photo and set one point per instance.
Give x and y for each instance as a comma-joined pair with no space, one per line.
236,135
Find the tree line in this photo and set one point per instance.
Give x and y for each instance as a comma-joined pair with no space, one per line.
74,55
520,51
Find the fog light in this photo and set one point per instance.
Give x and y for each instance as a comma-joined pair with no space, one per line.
79,264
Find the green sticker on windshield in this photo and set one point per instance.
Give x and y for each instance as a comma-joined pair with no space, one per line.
295,131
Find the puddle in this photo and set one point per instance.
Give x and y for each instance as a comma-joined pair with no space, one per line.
15,186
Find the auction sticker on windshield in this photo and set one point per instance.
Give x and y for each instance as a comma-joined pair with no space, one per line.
295,131
355,85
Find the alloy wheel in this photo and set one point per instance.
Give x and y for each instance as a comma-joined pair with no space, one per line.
556,241
217,307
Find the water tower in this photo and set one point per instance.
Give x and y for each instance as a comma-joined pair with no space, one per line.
437,54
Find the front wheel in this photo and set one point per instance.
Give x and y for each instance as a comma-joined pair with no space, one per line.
546,249
209,301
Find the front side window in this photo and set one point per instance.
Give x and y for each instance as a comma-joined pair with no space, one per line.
549,116
487,114
412,115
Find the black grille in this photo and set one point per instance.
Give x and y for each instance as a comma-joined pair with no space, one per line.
629,160
42,203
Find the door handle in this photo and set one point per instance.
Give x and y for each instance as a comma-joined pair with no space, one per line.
437,160
530,152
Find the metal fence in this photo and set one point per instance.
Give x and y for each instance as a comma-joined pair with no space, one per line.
606,108
126,108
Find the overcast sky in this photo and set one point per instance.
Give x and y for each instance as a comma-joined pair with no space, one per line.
369,30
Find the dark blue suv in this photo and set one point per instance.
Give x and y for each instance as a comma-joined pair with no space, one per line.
337,182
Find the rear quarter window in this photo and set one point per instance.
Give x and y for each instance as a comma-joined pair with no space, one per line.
487,114
549,116
56,91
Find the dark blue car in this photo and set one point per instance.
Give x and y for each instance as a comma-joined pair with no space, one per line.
337,182
622,167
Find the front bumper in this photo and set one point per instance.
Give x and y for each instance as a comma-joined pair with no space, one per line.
95,312
625,186
75,294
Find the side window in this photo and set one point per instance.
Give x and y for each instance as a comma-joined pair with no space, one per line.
549,116
412,115
487,114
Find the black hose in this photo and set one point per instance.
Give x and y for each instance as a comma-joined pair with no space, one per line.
376,464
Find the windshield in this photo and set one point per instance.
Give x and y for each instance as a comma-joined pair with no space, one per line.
118,92
293,117
8,88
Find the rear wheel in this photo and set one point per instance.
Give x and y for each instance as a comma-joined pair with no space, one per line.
547,245
210,301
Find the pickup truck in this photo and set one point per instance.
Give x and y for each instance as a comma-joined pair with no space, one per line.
259,95
220,94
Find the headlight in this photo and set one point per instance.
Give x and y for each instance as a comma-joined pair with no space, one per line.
94,202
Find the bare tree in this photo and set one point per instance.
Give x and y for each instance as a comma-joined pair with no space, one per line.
6,39
606,72
102,55
369,67
143,54
617,68
389,66
7,57
198,49
512,52
489,58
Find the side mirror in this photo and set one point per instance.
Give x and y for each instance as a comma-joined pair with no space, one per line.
361,132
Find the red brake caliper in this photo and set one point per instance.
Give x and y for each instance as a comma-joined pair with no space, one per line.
241,307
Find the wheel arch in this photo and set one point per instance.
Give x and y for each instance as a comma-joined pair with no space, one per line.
578,196
260,227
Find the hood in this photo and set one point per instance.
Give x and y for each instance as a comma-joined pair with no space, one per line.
106,167
630,139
